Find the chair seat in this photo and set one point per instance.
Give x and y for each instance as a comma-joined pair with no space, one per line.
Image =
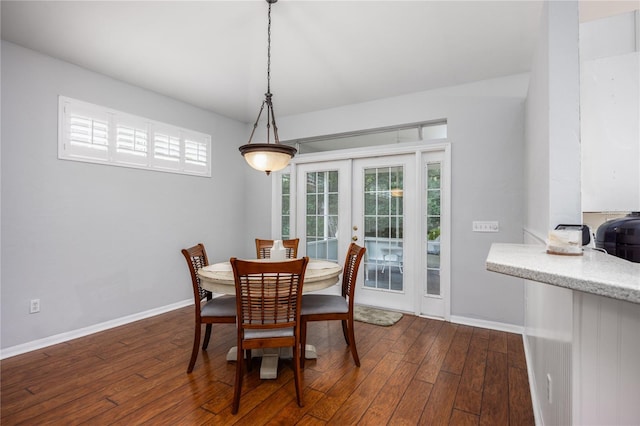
223,306
268,334
314,304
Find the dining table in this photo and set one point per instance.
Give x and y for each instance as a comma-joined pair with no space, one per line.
319,275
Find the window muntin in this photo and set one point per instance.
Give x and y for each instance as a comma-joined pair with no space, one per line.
96,134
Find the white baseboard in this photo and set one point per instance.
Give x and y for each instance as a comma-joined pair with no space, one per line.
493,325
74,334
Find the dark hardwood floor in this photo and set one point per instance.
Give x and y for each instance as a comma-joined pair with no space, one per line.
419,371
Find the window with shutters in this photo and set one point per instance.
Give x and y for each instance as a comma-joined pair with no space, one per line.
96,134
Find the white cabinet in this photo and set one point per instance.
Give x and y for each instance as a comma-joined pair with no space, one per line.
610,116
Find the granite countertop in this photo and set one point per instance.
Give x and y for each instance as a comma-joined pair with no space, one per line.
594,272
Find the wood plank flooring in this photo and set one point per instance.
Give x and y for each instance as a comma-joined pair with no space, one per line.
419,371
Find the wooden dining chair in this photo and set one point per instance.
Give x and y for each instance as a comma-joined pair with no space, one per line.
263,248
214,310
328,307
268,296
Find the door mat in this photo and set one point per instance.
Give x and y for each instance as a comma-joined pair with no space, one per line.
375,316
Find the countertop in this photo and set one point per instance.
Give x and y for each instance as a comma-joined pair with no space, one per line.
594,272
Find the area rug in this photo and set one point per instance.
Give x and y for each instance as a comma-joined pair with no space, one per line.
375,316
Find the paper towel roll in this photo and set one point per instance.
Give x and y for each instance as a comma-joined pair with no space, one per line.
565,241
278,252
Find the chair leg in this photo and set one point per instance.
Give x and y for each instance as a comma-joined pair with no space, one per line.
249,360
207,336
345,332
237,389
196,348
352,345
303,342
296,373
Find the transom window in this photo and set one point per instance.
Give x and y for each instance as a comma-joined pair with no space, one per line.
96,134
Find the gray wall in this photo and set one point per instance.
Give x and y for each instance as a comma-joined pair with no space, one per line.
95,243
486,130
257,204
553,196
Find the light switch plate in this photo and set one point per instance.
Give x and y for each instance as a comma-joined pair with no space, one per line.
485,226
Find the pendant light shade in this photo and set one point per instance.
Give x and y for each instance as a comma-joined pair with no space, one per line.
267,157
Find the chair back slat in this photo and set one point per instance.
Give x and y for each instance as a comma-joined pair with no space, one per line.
268,293
350,270
197,259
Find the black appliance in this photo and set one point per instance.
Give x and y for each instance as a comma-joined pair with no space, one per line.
621,237
586,234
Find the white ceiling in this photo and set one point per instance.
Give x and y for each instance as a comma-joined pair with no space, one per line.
324,53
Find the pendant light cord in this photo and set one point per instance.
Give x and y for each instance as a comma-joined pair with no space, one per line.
268,156
271,117
269,53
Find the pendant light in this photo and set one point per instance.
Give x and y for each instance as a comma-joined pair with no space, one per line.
268,157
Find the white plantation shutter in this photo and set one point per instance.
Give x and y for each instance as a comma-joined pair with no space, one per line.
167,151
97,134
88,133
166,147
131,140
84,132
196,154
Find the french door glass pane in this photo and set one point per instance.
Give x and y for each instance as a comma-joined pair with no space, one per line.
383,228
285,229
322,215
433,228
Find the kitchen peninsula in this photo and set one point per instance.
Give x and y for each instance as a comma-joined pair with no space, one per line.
594,272
592,324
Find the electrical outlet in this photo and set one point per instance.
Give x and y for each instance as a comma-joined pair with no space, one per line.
485,226
34,306
549,389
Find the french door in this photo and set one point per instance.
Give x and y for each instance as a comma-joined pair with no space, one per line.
396,206
383,219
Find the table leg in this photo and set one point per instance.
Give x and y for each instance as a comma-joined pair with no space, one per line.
310,352
269,364
270,356
232,354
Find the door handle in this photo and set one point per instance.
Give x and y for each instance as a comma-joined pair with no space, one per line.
354,238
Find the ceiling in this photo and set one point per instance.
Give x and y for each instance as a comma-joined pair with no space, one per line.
213,54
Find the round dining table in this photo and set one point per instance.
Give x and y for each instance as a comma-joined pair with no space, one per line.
320,274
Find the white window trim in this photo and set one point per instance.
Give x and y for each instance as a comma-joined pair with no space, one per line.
92,153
